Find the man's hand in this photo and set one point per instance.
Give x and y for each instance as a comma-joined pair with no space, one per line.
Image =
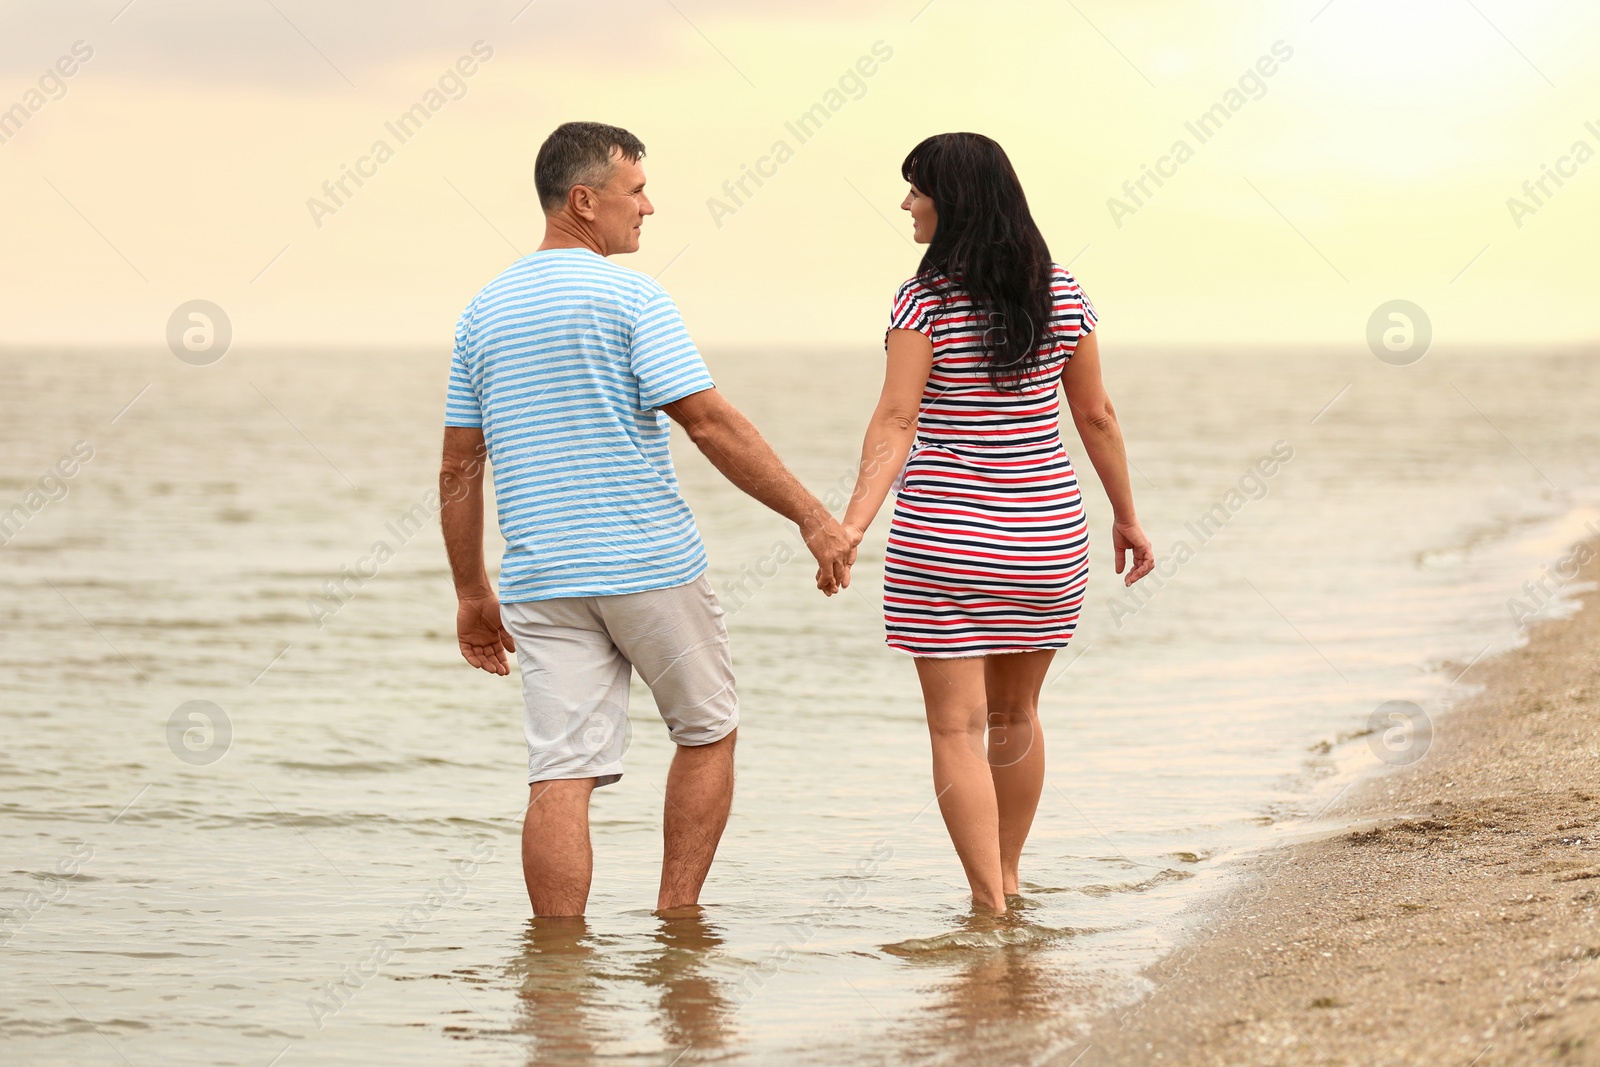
482,635
834,549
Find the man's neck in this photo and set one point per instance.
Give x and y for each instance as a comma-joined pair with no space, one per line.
560,232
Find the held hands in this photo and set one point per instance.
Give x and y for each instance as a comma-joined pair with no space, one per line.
483,638
1128,536
834,547
853,535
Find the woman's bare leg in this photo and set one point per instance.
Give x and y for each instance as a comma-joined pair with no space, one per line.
1016,748
953,690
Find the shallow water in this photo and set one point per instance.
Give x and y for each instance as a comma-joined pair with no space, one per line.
333,877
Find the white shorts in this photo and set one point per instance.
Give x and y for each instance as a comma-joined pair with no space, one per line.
577,656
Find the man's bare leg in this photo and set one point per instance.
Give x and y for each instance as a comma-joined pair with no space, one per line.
699,795
557,860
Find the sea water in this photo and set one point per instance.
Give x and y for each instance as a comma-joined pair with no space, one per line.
256,809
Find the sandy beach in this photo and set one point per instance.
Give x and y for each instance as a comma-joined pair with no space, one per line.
1450,915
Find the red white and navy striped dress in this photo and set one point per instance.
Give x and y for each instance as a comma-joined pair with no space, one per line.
988,551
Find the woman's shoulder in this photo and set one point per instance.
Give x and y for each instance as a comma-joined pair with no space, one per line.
1063,283
919,291
919,303
931,287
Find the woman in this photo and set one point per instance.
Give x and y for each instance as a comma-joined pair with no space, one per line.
987,561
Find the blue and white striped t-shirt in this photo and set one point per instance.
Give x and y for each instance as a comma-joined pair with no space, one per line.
564,360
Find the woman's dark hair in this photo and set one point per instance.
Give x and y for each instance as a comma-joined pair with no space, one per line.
986,243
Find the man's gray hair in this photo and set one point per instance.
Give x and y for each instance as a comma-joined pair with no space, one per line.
580,153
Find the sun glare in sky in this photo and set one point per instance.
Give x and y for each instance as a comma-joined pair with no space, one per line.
1215,174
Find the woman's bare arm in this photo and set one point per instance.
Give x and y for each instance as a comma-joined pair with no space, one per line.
1097,425
893,427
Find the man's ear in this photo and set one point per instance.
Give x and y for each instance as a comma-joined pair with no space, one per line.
583,201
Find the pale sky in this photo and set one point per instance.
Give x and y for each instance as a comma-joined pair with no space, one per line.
1374,162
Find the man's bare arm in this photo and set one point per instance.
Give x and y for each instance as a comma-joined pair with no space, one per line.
479,631
736,448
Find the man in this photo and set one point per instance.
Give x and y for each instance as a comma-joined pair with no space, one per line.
563,366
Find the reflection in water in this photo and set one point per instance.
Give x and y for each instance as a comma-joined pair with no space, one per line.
695,1008
560,1001
979,931
574,1000
997,994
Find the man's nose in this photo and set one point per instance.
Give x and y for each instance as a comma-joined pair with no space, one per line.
645,206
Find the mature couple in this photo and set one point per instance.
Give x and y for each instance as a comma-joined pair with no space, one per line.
566,370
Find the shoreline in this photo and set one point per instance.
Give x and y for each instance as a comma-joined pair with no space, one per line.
1459,924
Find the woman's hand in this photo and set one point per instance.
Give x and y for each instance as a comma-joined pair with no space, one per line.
1128,536
833,550
852,538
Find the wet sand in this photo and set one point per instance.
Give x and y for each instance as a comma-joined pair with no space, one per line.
1457,923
